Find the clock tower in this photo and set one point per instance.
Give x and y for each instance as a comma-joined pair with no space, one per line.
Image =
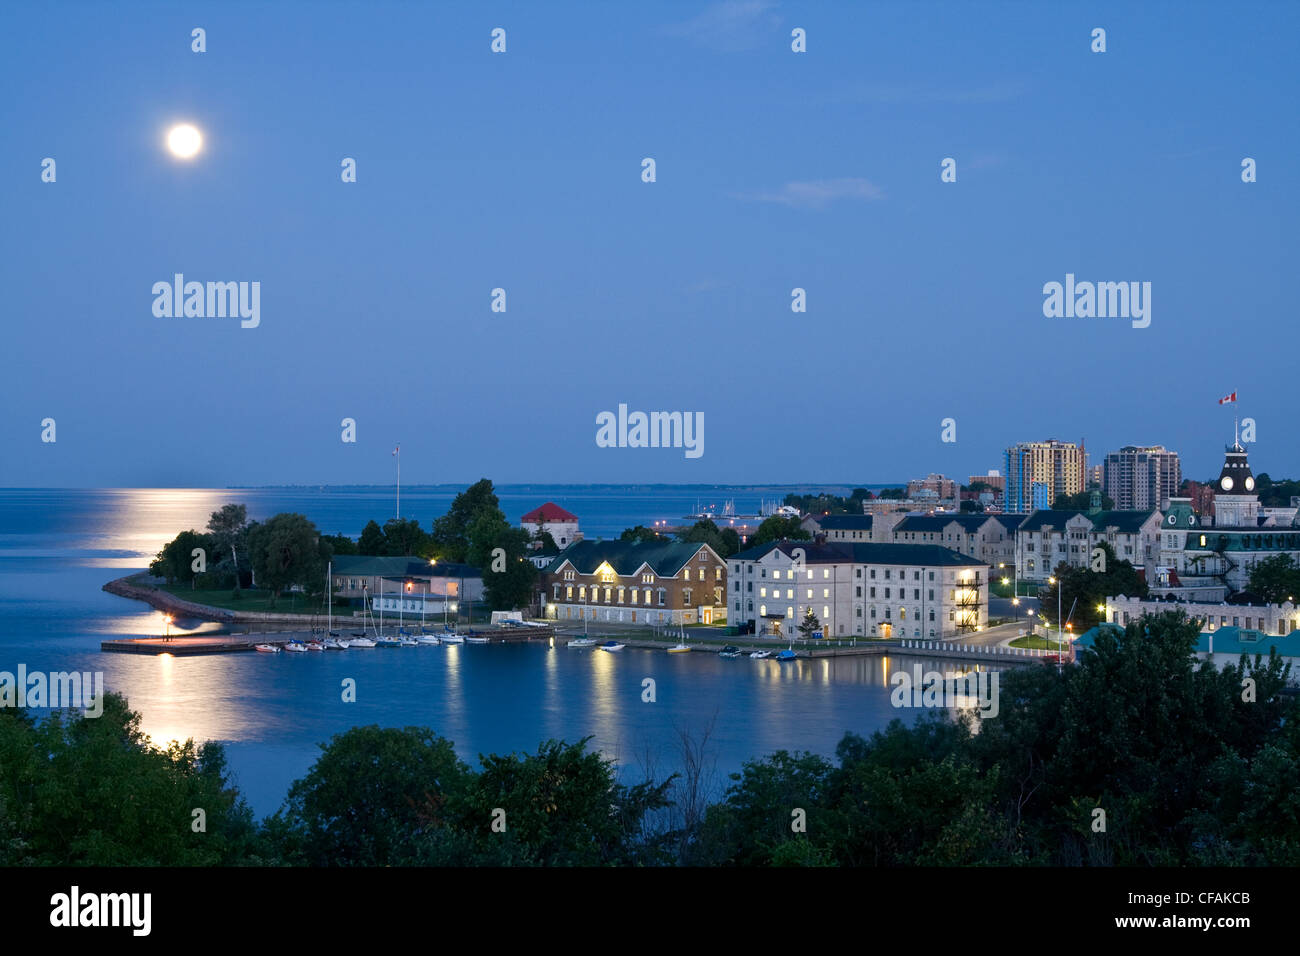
1235,503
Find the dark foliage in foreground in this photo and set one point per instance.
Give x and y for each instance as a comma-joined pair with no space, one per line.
1189,767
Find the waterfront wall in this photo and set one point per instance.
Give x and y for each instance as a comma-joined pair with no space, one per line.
172,604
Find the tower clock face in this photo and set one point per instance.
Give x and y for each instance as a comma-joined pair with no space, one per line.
1225,483
1250,484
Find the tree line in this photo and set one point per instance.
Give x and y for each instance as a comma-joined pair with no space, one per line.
288,550
1135,756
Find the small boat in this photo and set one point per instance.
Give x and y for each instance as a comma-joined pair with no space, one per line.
612,646
334,645
315,646
362,641
582,642
267,648
452,639
476,640
787,656
296,647
409,642
426,639
388,642
759,655
679,648
731,650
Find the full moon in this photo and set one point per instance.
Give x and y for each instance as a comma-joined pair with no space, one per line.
184,141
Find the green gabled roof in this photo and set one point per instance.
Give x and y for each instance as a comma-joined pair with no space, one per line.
1049,517
923,555
829,553
857,552
1122,521
930,524
1011,520
365,566
665,559
405,566
845,523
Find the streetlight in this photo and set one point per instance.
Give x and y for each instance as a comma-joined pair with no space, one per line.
1060,638
168,619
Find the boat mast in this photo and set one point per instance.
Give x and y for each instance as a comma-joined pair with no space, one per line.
329,592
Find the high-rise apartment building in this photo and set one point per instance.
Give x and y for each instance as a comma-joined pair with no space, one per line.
1039,472
1141,477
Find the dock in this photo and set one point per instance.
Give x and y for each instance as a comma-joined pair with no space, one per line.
183,646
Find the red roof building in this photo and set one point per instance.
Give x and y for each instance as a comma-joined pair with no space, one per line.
562,525
549,513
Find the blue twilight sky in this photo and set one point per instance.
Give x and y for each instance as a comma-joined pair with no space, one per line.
522,170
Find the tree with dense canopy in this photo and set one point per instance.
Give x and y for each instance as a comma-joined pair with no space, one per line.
1275,579
777,528
643,534
287,550
451,532
1084,590
228,529
175,562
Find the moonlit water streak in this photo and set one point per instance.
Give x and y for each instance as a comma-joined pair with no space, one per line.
58,547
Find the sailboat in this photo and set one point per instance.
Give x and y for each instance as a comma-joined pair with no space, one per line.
585,640
329,613
380,639
681,647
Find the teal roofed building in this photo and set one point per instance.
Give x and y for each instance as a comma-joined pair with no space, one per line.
1224,645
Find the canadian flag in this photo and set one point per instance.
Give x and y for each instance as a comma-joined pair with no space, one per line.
1228,399
398,449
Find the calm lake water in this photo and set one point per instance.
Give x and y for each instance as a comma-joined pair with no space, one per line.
58,547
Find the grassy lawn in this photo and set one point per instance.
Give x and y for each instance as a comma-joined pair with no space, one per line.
1034,643
249,600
